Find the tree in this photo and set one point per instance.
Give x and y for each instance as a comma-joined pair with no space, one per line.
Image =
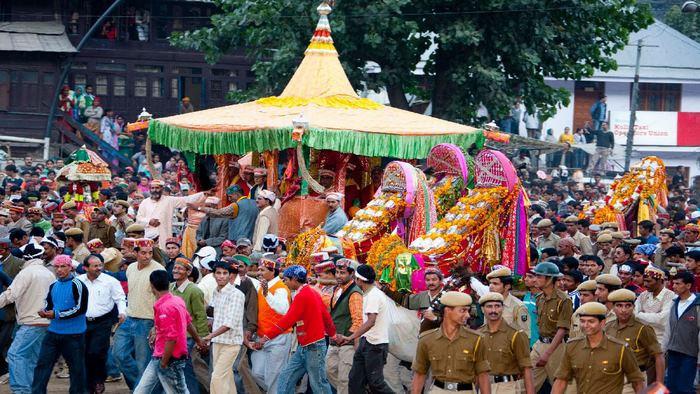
487,52
688,24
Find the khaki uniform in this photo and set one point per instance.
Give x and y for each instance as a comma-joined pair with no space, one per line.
601,369
104,232
456,361
80,253
551,241
583,242
516,315
82,223
508,353
641,340
553,312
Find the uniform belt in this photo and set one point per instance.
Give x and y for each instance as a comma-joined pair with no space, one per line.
546,339
453,386
505,378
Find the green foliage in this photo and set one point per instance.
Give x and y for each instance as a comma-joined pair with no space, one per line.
686,23
487,52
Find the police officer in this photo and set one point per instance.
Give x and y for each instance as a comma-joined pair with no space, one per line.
586,292
599,363
514,311
454,354
507,349
606,284
554,309
640,338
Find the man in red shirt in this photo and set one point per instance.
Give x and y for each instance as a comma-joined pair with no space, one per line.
171,323
313,322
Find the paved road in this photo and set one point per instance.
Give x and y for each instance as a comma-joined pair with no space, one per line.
60,386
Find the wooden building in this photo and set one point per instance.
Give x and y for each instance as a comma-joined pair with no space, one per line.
129,61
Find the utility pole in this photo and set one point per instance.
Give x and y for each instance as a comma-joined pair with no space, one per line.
633,109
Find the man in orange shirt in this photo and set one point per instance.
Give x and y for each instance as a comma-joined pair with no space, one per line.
273,302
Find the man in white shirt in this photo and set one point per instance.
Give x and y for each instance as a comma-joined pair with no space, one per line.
106,305
370,356
227,329
654,305
28,292
267,220
156,212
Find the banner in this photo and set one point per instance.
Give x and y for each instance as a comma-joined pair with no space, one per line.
650,128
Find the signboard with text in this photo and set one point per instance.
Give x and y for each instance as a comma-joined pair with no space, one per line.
657,128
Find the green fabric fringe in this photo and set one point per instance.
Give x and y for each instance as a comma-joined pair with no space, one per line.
346,141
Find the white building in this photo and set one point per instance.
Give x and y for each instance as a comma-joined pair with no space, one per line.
669,97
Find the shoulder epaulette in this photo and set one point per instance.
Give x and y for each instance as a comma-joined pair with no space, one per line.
618,341
424,333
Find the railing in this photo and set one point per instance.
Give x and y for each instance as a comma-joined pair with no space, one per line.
69,126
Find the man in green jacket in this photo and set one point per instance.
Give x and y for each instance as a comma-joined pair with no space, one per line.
194,301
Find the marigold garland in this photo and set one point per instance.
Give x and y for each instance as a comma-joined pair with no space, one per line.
383,254
447,193
304,245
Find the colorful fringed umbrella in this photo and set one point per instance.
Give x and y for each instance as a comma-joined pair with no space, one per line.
339,119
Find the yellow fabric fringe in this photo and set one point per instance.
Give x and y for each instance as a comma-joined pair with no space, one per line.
330,102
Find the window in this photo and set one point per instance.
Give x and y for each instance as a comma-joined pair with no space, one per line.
119,86
140,87
218,72
79,79
174,88
110,67
659,97
216,91
157,88
101,83
187,70
48,79
30,77
140,68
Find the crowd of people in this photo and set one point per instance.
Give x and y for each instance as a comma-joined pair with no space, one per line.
115,289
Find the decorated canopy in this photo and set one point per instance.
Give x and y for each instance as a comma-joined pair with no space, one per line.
338,118
84,165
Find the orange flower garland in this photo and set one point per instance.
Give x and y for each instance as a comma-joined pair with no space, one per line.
305,244
384,252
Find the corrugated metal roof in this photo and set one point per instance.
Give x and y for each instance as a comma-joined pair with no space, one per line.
34,37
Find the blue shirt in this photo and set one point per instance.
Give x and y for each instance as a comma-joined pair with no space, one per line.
68,298
530,301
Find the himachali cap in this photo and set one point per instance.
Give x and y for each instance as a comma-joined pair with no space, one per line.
234,189
94,243
74,231
334,196
500,273
654,273
50,206
268,263
455,298
571,219
19,209
157,182
588,285
604,238
349,264
136,228
592,309
688,227
185,262
243,259
260,171
622,295
5,241
4,212
317,258
608,279
144,243
128,243
173,240
34,210
490,296
324,266
668,231
544,223
69,205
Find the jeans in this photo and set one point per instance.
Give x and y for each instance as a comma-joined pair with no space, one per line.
96,350
23,356
111,366
6,328
368,368
72,348
190,378
172,377
131,350
309,359
680,372
269,361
